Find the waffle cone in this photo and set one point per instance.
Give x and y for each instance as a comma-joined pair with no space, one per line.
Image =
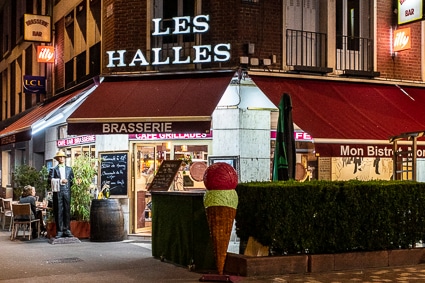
220,221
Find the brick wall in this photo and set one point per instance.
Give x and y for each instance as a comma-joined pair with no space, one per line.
242,23
406,64
238,23
231,21
124,28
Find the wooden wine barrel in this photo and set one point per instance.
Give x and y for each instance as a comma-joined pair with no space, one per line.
106,221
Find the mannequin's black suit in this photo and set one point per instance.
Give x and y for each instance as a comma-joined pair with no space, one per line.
62,201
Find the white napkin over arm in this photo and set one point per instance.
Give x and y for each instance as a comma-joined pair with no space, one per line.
55,184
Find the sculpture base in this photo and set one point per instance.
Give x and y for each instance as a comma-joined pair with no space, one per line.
64,240
216,278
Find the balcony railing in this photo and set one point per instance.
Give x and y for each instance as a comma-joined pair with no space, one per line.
354,55
306,51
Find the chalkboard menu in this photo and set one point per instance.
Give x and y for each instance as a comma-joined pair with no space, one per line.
113,171
165,175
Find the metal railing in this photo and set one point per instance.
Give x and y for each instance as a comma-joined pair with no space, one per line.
306,48
354,53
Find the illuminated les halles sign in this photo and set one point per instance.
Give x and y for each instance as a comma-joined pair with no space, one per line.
182,25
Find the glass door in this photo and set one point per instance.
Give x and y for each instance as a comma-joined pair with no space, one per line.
147,158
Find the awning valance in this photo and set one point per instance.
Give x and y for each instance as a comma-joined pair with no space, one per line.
22,129
333,110
151,104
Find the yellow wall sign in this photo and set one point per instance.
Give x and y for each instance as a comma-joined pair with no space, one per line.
402,39
37,28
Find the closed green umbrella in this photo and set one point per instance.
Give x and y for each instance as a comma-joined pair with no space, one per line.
284,154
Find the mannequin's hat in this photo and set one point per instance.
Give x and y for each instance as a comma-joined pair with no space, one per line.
60,153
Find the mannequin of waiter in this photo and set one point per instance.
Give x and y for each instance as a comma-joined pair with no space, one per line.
62,198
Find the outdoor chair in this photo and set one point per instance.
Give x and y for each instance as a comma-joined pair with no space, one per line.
22,220
6,211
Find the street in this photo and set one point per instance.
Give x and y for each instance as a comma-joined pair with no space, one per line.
131,261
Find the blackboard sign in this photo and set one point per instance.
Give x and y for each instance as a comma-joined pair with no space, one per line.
113,171
165,175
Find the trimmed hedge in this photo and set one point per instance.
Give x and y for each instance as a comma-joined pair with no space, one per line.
330,217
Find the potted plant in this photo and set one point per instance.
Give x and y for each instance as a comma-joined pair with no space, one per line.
84,168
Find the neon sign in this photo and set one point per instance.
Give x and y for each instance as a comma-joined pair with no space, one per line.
182,25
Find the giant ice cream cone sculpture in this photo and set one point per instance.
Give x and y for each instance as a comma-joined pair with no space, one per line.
220,201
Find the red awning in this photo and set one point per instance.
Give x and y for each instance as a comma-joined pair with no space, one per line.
335,110
21,129
151,104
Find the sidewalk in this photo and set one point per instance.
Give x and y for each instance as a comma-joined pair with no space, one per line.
131,261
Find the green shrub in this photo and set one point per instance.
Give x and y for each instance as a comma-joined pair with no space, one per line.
27,175
329,217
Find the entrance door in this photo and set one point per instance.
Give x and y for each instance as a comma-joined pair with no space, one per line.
147,158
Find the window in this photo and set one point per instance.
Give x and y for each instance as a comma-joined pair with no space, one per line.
62,132
81,66
30,99
6,29
353,35
69,73
177,9
95,60
7,168
166,10
13,89
81,52
352,22
303,15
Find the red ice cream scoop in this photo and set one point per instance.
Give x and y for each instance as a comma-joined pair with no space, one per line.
220,176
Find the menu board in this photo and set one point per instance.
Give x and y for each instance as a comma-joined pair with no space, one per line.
113,171
324,172
165,175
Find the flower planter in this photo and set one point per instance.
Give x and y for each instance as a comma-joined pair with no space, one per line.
51,230
274,265
80,229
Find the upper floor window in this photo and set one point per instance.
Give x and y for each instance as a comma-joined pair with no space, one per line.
354,42
352,22
167,10
303,15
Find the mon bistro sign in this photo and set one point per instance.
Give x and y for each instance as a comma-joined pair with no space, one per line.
363,150
324,150
182,25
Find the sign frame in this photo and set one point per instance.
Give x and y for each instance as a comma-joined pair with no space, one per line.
409,14
102,177
165,175
233,161
43,24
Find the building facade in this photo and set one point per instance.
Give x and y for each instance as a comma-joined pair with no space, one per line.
200,81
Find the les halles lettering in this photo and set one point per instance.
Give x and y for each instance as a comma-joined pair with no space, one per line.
182,25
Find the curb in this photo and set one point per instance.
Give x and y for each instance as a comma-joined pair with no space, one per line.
300,264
